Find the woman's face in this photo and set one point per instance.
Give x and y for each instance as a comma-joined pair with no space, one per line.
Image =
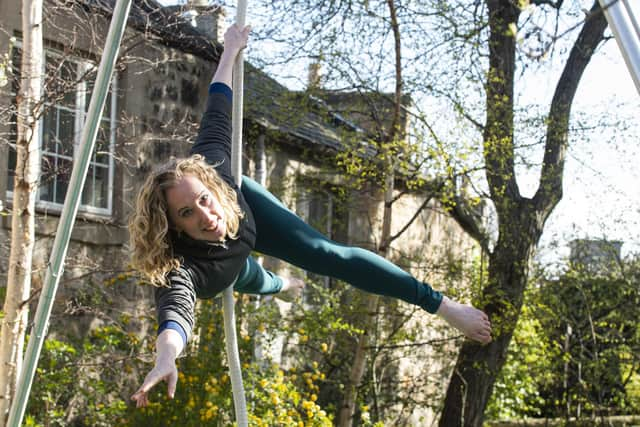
194,210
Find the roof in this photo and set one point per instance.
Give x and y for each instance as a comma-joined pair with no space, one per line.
267,103
298,114
164,25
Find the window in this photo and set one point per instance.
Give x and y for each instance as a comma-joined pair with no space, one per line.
323,210
68,87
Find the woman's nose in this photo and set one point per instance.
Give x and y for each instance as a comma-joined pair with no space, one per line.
204,213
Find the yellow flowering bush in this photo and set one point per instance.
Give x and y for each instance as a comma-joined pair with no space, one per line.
277,399
204,396
295,394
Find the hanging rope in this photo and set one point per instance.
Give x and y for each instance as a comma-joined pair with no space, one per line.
231,341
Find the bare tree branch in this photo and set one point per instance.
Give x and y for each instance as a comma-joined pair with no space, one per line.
550,190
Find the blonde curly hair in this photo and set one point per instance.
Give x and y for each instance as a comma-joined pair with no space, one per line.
152,252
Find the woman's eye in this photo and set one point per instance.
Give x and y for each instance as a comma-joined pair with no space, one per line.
185,213
204,197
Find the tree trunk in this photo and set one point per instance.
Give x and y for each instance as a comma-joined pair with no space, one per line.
478,366
347,408
14,323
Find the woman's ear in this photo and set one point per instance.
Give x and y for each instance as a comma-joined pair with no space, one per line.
170,223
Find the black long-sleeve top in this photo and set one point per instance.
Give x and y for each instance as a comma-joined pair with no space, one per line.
207,268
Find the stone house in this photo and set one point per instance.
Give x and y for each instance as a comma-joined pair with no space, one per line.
156,99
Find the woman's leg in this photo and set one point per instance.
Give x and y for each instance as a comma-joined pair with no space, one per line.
284,235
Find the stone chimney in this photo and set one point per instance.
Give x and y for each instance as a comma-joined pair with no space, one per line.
314,76
595,254
208,18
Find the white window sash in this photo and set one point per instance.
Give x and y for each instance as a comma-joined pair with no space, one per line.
79,117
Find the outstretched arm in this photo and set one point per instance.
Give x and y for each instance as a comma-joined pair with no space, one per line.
214,138
175,309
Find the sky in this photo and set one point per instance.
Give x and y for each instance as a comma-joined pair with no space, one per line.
602,178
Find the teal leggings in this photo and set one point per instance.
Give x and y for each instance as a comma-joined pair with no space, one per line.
284,235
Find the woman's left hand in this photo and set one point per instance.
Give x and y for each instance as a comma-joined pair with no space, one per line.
292,286
235,38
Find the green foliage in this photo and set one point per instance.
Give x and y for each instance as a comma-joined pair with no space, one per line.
595,323
80,380
287,399
88,382
203,396
575,350
515,393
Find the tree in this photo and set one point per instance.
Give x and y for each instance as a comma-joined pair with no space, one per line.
15,309
521,219
389,144
384,157
591,315
485,43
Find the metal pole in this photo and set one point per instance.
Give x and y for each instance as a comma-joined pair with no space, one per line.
72,201
231,341
624,26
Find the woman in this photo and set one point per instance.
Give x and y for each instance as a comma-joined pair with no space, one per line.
193,230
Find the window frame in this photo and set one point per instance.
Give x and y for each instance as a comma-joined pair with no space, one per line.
79,111
310,192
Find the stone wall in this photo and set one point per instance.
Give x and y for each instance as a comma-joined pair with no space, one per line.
159,101
617,421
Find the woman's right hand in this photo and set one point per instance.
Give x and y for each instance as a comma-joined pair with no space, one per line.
168,346
164,370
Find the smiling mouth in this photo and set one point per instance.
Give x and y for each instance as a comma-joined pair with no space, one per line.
214,228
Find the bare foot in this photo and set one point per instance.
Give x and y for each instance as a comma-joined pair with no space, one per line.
469,320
